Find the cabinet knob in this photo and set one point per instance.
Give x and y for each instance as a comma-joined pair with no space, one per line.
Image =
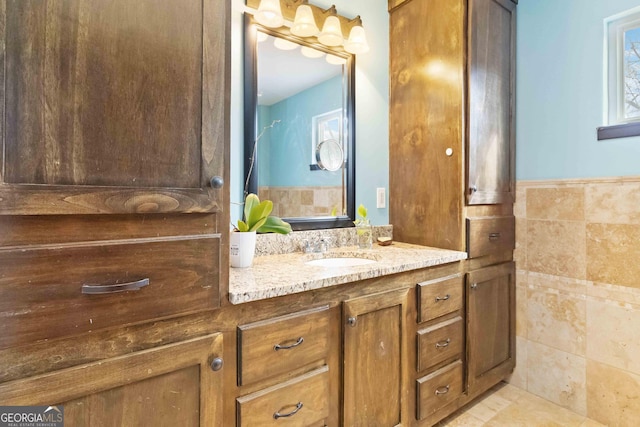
217,182
351,321
473,189
474,286
216,364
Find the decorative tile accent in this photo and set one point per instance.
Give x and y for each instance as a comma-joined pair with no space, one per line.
556,247
613,395
557,376
564,203
615,203
613,334
613,251
557,319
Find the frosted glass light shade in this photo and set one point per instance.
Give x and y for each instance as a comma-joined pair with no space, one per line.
269,14
304,25
331,34
310,52
357,42
283,44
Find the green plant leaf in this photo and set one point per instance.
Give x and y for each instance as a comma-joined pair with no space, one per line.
362,211
257,224
249,203
242,226
273,224
258,213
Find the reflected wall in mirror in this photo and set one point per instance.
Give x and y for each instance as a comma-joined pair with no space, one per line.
299,102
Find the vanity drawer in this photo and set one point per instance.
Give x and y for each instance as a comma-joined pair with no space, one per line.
44,289
274,346
490,235
301,401
439,297
440,342
438,389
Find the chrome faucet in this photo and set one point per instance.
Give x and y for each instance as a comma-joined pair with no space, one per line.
317,247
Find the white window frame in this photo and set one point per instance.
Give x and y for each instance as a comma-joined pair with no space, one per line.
614,93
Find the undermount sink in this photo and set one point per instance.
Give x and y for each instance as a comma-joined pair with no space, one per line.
340,262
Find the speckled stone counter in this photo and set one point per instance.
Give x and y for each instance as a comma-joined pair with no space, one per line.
283,274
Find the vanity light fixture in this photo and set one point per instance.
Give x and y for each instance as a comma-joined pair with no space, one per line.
303,18
357,42
304,24
331,34
269,14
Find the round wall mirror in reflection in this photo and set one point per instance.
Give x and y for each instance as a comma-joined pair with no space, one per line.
329,155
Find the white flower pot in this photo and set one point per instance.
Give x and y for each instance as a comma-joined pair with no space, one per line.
242,247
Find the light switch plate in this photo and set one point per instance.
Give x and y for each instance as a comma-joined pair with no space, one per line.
381,198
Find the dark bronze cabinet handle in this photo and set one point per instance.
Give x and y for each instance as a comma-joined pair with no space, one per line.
442,390
444,298
288,347
295,411
118,287
443,344
494,236
216,182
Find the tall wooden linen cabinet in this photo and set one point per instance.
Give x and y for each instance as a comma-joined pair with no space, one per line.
114,134
451,150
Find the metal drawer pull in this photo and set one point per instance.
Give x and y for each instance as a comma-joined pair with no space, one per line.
442,390
444,298
474,286
288,347
494,236
295,411
442,344
112,289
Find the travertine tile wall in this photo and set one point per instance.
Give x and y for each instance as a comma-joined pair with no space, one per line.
303,201
578,295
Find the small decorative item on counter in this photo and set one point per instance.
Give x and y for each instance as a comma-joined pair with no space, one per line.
257,219
364,230
385,241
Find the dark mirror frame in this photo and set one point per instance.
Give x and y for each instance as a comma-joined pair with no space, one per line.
251,124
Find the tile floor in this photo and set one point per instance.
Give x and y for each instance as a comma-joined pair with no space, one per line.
509,406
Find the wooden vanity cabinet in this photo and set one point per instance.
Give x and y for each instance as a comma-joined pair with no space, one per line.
375,359
491,319
113,209
452,137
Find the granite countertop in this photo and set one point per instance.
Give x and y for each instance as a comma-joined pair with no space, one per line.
277,275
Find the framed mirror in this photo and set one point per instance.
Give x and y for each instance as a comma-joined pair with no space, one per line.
299,114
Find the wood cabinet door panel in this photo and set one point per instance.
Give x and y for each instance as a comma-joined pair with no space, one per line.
113,106
491,324
169,385
491,133
374,342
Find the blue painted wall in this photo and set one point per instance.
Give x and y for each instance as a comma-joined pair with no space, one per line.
372,104
287,150
560,92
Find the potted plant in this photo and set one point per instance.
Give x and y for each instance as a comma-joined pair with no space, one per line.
257,219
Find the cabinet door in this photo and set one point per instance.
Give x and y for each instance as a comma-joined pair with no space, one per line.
171,385
491,325
113,106
491,70
374,353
